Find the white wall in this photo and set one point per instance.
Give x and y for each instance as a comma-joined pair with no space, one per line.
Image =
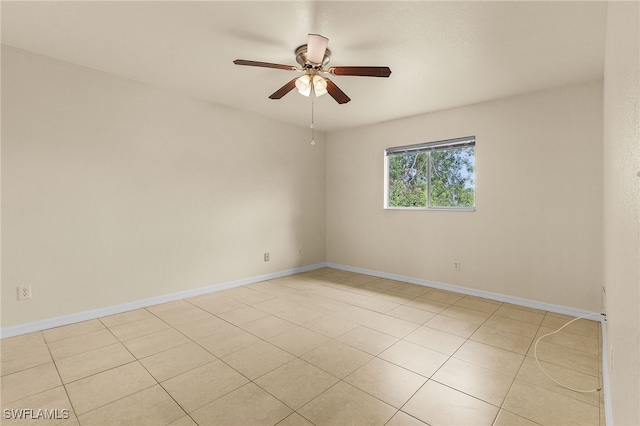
622,207
537,229
114,191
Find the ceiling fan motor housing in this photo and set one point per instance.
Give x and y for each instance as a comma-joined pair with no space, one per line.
301,58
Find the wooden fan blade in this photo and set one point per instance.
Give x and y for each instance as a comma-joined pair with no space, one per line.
336,93
264,64
361,71
284,89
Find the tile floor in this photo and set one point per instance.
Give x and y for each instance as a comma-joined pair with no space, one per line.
326,347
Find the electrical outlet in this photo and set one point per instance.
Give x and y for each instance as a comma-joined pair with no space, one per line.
456,265
299,251
24,292
266,257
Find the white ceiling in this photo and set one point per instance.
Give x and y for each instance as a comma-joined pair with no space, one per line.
442,54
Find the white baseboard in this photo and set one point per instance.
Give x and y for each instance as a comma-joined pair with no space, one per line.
30,327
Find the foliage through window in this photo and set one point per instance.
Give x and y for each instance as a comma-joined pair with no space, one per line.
435,175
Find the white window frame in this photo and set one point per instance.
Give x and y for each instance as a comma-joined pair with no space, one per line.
469,141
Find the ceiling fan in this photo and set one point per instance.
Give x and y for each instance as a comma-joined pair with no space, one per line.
313,58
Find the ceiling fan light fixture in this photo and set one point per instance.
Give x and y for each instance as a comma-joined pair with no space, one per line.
316,46
303,84
319,85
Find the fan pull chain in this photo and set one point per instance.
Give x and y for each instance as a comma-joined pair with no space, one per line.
313,140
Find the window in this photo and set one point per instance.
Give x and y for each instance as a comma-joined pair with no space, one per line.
434,175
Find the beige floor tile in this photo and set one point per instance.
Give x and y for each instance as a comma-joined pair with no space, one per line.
246,295
386,381
82,343
427,304
295,419
228,341
268,326
54,400
325,305
466,314
296,382
92,362
199,329
126,317
276,305
408,313
479,304
378,305
566,357
484,384
360,279
273,287
413,357
512,326
368,290
258,359
403,419
300,315
23,352
356,315
585,327
336,358
160,341
183,421
507,418
412,290
385,283
215,303
342,285
179,312
331,326
520,315
152,406
502,339
175,361
243,315
103,388
338,274
437,340
72,330
29,382
139,328
367,340
452,325
437,404
344,296
198,387
344,404
570,340
548,407
393,296
474,346
531,373
248,405
443,296
390,325
495,359
298,340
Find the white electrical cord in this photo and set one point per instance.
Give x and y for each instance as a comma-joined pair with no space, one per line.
535,354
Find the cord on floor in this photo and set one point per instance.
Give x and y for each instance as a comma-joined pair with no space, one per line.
535,354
